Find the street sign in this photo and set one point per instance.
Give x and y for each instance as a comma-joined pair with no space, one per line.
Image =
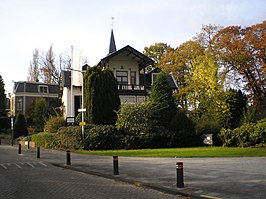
82,123
82,110
70,121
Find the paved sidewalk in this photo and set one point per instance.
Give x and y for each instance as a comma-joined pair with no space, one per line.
230,178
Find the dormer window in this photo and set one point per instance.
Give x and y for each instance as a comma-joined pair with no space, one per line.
43,89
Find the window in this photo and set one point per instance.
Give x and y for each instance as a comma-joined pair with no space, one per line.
43,89
122,77
133,77
19,104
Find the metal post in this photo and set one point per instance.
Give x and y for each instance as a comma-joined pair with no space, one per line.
38,152
68,161
12,131
179,175
28,145
19,148
82,106
115,165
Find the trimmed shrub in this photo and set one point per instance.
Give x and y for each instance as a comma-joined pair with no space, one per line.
54,123
66,138
46,140
69,138
104,137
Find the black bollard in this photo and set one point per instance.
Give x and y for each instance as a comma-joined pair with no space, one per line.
179,175
19,148
115,165
28,144
38,152
68,162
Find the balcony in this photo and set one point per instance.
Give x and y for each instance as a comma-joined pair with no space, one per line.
132,89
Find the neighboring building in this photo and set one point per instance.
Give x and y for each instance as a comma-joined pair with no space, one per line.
25,94
8,104
130,69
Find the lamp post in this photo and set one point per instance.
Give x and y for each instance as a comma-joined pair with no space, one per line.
82,110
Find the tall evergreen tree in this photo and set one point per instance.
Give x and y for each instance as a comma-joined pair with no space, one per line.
161,96
39,113
101,96
20,127
237,102
2,98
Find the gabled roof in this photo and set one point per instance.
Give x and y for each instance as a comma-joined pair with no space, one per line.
143,60
170,77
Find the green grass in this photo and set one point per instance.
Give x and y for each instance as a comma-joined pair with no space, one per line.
184,152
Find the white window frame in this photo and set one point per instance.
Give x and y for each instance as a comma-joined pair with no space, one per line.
42,89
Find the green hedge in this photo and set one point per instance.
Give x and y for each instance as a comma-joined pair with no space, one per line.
46,140
104,137
69,138
66,138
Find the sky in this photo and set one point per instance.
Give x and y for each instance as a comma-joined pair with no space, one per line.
86,25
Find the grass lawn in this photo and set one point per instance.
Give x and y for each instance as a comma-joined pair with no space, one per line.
184,152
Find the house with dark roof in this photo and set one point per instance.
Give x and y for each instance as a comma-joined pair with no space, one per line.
25,93
130,70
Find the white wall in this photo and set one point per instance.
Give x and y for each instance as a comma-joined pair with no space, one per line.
126,63
67,101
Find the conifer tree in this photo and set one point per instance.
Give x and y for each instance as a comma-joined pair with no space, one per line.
20,127
2,98
161,96
101,96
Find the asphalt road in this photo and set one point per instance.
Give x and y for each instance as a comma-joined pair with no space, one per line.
24,177
228,178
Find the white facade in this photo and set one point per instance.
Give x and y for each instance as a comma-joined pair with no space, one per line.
68,100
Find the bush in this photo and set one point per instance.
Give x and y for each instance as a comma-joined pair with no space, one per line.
249,134
259,134
5,123
183,131
54,123
135,117
69,138
46,140
227,136
243,133
66,138
104,137
20,127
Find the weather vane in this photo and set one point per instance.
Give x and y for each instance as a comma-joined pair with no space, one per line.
112,22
